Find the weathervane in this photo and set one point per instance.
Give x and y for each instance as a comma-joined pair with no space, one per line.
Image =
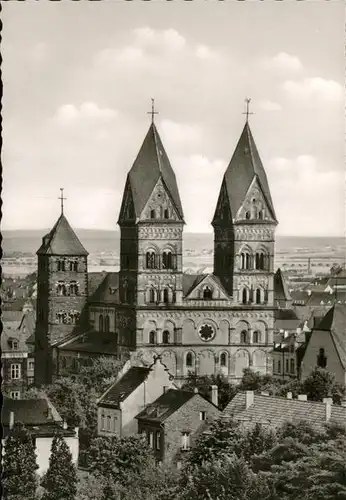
247,112
152,112
61,198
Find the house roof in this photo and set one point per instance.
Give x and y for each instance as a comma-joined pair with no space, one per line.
335,322
108,290
123,387
276,411
244,166
95,342
286,319
61,240
152,164
165,405
94,281
280,287
8,333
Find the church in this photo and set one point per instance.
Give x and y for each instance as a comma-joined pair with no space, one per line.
204,323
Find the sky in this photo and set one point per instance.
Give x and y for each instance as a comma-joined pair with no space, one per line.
78,79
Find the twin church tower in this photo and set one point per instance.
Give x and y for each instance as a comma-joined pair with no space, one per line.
203,323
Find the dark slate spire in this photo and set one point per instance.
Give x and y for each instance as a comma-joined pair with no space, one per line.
151,164
244,166
61,240
280,287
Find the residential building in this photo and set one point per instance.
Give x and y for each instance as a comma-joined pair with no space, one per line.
326,347
123,400
288,354
222,321
174,421
43,421
250,409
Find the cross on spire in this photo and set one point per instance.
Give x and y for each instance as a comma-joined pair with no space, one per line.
152,112
247,112
61,198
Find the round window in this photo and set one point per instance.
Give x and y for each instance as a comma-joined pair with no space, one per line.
206,332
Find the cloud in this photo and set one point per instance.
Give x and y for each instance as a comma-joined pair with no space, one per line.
283,62
267,105
169,39
205,52
69,113
181,134
313,88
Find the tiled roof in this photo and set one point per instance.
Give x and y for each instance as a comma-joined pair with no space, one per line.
244,166
316,298
61,240
165,405
280,287
190,281
108,290
335,322
94,281
13,333
122,388
151,164
95,342
276,411
9,316
286,319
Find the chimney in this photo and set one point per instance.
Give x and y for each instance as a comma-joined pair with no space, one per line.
264,393
302,397
214,395
64,425
49,413
309,292
76,430
11,424
343,402
165,389
328,407
249,398
195,390
289,395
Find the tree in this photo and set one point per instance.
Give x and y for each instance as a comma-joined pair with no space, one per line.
321,384
100,373
60,481
254,381
19,478
257,440
226,391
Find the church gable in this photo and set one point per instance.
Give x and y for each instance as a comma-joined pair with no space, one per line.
209,288
160,204
255,205
127,211
223,210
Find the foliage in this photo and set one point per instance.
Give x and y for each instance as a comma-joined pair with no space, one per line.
60,480
19,478
226,391
321,384
257,440
116,458
254,381
101,372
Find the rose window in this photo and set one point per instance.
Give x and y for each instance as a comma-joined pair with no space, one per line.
206,332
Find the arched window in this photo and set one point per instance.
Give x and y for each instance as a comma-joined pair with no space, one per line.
247,261
247,215
242,260
189,359
166,296
260,214
152,337
101,326
152,214
207,293
261,261
73,288
106,323
223,359
152,295
150,260
321,358
167,260
243,337
256,337
61,265
165,337
244,296
166,214
103,421
258,296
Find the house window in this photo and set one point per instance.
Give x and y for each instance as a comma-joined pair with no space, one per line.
256,337
30,381
202,415
185,441
287,366
165,337
152,337
106,323
292,366
14,394
158,440
151,439
13,344
103,421
189,359
31,365
321,358
243,337
15,372
109,423
101,323
258,296
223,359
152,214
207,293
166,214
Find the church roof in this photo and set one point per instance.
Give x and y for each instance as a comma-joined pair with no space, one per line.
61,240
108,290
244,166
280,287
334,322
151,164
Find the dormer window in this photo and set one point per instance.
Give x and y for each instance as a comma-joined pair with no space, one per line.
13,344
166,213
260,214
247,215
207,293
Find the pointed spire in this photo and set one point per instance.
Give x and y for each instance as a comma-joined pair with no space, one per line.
280,287
61,240
247,112
61,198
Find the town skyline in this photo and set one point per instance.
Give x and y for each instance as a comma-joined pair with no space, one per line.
75,109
